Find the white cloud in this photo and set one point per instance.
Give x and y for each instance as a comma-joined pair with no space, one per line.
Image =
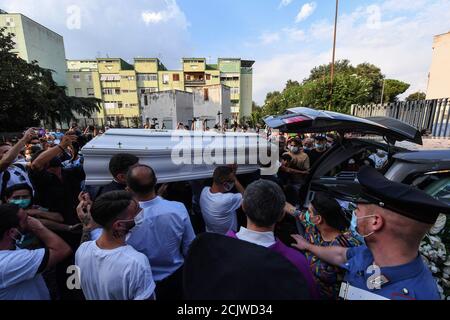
306,10
171,12
152,17
295,34
115,27
285,3
400,44
269,37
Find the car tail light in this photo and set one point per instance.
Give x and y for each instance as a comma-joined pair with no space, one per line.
296,119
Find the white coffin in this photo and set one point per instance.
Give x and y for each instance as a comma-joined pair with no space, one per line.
156,148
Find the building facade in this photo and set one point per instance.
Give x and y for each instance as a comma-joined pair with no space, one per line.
121,85
439,76
36,42
212,104
164,110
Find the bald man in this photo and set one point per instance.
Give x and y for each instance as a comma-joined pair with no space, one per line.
392,218
163,232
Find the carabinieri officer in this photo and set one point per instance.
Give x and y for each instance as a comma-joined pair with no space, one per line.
392,218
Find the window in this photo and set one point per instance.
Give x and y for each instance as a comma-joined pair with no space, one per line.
165,78
147,77
145,101
78,92
436,184
147,90
76,77
234,91
206,94
112,91
208,76
10,22
88,77
90,92
110,77
176,77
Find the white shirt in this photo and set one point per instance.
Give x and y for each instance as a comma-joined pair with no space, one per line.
219,210
163,232
265,239
117,274
18,275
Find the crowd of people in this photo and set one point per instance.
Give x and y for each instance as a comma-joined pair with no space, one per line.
130,239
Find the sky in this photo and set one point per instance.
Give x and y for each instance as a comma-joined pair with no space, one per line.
286,38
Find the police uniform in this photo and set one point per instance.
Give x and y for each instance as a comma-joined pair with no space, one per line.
411,281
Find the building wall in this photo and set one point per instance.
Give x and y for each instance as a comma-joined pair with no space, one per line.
148,75
36,42
246,93
439,76
218,100
168,106
171,84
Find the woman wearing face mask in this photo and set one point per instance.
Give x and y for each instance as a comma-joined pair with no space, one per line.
21,195
325,225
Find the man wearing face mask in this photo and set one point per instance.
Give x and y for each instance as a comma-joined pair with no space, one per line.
110,269
320,147
392,218
56,188
21,269
218,205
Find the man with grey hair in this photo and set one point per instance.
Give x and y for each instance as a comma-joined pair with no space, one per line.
263,204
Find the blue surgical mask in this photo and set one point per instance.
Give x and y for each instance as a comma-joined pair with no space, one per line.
354,228
295,149
318,146
22,203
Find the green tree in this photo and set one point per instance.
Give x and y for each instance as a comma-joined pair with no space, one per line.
28,93
416,96
393,88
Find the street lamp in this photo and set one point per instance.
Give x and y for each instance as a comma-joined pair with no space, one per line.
334,53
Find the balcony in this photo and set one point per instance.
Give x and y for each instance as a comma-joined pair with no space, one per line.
194,78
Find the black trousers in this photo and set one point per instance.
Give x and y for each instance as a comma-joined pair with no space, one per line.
170,288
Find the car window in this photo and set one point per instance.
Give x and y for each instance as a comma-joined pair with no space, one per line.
440,188
367,156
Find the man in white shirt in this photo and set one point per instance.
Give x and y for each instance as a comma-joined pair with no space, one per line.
163,232
110,269
218,206
21,269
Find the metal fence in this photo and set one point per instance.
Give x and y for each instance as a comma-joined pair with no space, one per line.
431,117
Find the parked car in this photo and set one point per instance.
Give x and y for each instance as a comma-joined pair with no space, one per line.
428,169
